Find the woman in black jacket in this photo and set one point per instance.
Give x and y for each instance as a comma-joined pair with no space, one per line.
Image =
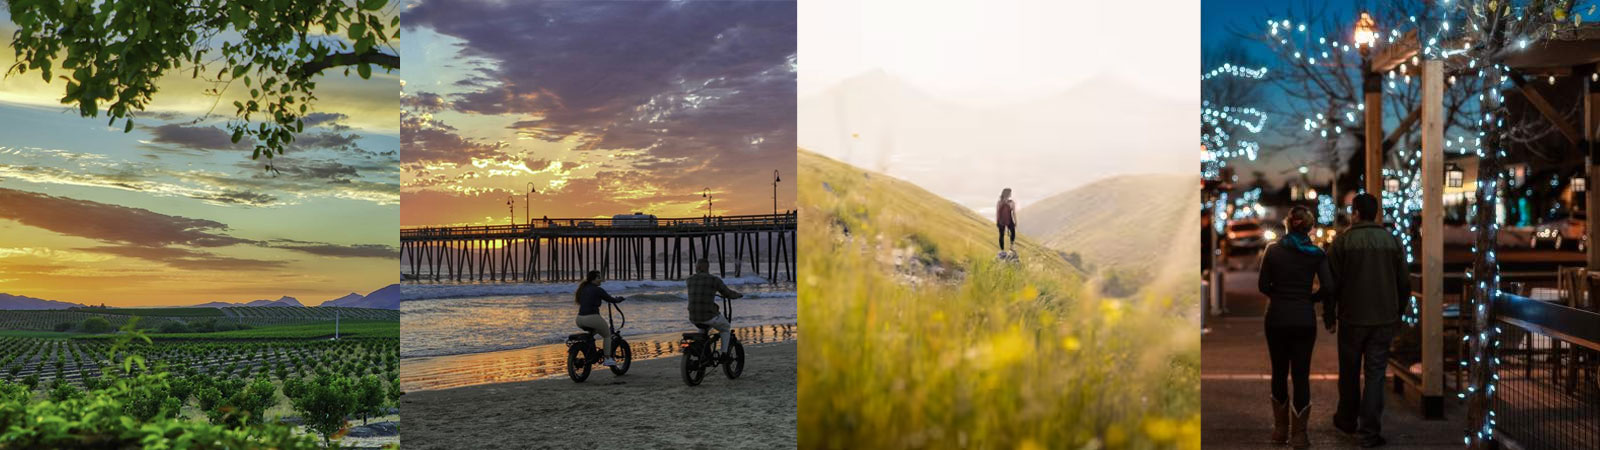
1290,270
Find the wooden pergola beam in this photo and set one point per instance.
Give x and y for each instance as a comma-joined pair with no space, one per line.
1549,112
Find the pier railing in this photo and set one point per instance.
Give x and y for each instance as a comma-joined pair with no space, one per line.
627,248
607,226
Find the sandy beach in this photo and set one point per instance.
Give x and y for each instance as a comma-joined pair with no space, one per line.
650,407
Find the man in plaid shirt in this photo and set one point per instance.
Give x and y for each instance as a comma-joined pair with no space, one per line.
703,310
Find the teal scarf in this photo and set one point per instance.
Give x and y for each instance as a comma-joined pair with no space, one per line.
1301,242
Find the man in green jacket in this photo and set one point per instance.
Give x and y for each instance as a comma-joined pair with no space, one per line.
1374,286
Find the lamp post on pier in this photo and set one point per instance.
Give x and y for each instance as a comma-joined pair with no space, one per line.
707,194
775,181
527,201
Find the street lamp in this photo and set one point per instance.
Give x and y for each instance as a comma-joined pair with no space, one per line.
1453,175
1366,33
775,181
707,194
511,202
527,201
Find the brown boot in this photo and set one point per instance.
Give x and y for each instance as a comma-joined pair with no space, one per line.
1280,422
1297,428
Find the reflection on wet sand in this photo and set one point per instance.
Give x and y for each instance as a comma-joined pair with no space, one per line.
549,361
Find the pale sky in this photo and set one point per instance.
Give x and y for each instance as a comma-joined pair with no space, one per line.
1006,51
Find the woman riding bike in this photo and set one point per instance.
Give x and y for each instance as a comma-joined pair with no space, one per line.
588,298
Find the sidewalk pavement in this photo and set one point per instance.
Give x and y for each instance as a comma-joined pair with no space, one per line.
1236,386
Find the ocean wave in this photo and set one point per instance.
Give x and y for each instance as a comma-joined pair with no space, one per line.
438,291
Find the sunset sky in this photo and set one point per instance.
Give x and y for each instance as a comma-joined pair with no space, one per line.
604,107
173,213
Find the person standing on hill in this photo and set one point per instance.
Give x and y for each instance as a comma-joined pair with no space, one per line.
1006,219
1294,276
1374,283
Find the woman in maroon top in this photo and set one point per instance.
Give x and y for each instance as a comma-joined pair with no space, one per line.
1006,219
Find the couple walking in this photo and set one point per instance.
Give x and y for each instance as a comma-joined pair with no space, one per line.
1362,281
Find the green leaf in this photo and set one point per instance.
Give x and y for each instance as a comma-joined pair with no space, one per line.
365,70
240,70
238,133
128,127
356,30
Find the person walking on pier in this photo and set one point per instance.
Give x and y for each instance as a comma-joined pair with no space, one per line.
1290,269
703,288
1374,284
1006,219
588,298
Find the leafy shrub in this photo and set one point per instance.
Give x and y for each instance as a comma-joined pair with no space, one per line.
369,398
97,420
96,324
324,403
174,327
61,390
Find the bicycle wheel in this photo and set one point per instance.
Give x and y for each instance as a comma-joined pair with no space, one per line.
735,365
577,364
623,354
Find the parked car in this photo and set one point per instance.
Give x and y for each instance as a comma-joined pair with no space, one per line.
1247,235
1562,231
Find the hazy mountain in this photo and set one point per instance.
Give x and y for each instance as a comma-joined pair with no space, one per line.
968,153
387,297
19,302
281,301
1149,223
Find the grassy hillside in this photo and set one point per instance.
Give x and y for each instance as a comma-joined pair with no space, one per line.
1136,223
917,337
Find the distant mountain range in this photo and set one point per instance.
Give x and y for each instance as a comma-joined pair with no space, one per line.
18,302
387,297
281,301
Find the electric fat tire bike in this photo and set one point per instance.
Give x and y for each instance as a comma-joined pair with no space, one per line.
583,351
703,350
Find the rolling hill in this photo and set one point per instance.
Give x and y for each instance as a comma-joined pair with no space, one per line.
1128,222
918,335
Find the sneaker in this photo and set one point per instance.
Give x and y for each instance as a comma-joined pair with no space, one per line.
608,362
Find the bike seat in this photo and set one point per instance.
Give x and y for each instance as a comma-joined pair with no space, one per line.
703,328
699,335
580,336
589,330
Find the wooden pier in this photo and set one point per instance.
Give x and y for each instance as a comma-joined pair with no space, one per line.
554,250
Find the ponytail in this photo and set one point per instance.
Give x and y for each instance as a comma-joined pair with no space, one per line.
588,279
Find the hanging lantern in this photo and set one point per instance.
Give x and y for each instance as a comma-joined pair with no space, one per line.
1453,175
1580,184
1391,184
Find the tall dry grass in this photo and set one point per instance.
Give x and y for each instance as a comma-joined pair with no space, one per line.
979,354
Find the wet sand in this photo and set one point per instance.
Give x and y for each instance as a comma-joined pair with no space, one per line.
650,407
549,361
